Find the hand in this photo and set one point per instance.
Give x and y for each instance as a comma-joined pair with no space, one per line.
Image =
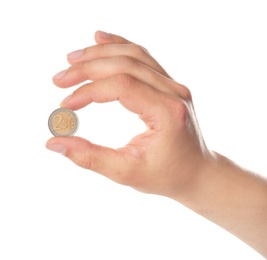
169,156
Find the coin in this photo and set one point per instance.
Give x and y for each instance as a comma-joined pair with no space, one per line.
63,122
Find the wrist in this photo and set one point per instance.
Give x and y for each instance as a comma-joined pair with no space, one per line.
201,182
233,198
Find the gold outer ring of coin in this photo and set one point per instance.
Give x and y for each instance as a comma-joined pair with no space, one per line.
63,122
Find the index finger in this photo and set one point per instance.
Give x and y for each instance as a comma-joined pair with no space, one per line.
134,95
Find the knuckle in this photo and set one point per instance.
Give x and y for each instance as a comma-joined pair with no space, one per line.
100,47
178,110
125,62
130,174
185,93
84,161
124,80
93,49
139,50
182,91
87,160
181,112
80,68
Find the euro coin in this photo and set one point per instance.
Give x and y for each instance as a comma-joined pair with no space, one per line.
63,122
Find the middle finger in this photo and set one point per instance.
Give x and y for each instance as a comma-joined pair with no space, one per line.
106,67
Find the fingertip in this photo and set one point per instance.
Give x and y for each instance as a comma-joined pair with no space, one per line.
59,75
58,79
64,144
75,56
56,146
102,37
65,102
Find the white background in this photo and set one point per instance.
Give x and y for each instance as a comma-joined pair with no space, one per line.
50,208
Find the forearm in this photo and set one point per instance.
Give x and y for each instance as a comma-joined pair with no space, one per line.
233,198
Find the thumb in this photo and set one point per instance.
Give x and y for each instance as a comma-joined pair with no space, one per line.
104,38
104,160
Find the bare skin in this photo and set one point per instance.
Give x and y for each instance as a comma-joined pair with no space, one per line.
170,158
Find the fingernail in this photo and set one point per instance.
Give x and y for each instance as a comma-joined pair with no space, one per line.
75,54
104,34
60,75
58,148
65,100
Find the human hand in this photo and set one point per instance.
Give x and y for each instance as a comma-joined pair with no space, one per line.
170,158
167,158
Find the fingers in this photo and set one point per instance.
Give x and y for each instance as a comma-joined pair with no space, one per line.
109,45
118,70
112,50
106,67
93,157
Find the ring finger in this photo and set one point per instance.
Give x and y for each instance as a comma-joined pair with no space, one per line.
111,50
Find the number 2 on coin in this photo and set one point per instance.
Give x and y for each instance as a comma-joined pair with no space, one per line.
60,122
